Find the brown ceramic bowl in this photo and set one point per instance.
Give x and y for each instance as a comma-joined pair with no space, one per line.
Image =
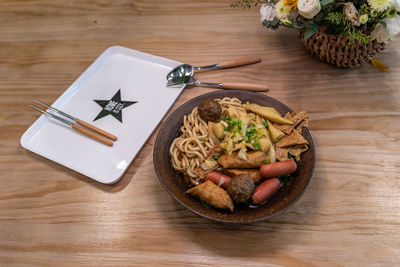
175,186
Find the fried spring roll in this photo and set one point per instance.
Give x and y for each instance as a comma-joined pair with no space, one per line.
213,195
254,160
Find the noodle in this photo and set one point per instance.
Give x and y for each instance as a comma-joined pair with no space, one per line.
190,149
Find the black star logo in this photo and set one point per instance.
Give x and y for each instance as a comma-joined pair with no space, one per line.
113,106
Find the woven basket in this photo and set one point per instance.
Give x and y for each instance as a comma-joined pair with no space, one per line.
336,50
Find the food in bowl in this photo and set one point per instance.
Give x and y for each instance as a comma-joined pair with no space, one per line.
233,153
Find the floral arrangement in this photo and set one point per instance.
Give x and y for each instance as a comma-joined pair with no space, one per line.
360,20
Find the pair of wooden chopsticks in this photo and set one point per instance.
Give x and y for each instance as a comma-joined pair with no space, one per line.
88,129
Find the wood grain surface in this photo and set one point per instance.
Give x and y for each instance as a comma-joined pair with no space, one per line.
52,216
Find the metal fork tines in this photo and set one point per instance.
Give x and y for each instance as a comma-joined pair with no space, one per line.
189,80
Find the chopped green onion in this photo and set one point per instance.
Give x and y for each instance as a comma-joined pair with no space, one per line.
256,146
253,125
265,123
221,139
275,140
216,156
191,164
266,161
202,139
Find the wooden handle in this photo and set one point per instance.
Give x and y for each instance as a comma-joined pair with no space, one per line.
245,86
239,62
92,135
97,130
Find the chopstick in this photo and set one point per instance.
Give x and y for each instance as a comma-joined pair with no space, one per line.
81,122
76,127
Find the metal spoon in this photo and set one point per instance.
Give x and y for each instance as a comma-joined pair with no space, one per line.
187,70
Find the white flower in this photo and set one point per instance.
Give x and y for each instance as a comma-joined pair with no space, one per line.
397,5
390,33
268,13
282,10
308,8
380,5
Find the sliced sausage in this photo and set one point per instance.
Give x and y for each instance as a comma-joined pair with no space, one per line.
278,168
265,190
219,178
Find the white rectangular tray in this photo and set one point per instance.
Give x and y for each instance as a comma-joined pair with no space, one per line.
140,78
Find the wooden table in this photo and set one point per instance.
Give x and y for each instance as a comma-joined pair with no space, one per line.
50,215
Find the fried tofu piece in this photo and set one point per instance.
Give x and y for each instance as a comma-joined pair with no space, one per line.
294,139
288,116
299,128
285,128
275,133
282,153
253,173
297,118
297,150
213,195
254,160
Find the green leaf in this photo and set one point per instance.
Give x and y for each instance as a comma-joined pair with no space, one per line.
309,23
310,32
326,2
266,23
